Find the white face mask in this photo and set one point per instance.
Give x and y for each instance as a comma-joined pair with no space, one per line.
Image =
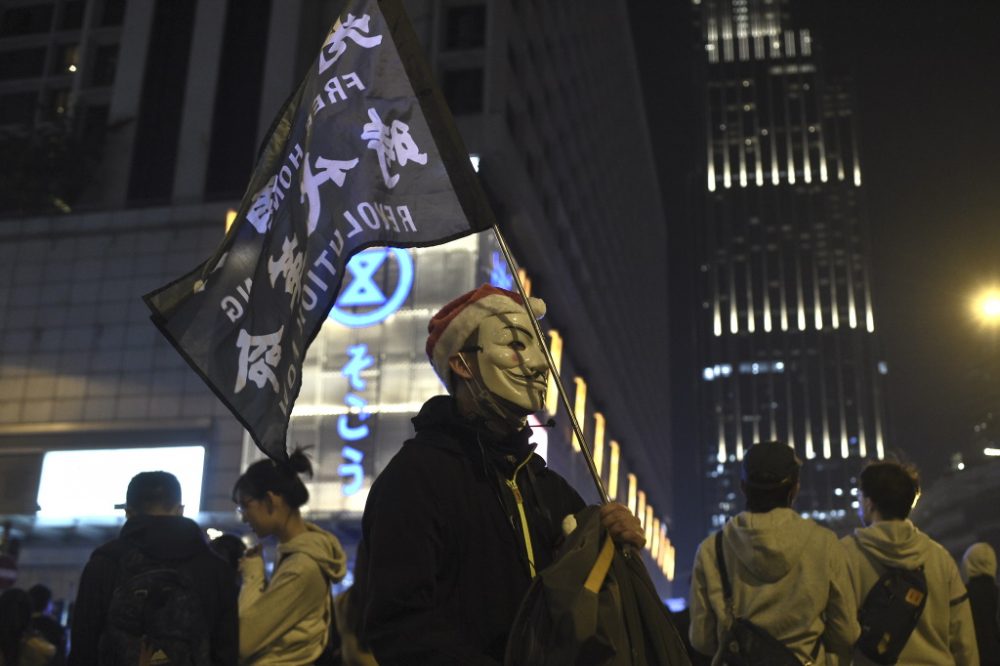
512,363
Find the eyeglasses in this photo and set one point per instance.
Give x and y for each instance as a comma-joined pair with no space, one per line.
242,505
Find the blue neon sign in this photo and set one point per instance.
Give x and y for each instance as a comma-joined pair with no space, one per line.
363,291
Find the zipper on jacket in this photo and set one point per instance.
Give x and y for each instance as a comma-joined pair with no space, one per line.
519,499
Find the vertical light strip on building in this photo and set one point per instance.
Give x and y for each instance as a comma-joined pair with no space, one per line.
721,455
879,444
648,525
817,302
810,450
633,492
800,296
711,149
854,149
734,320
869,317
655,547
834,300
806,42
613,470
751,320
551,390
579,407
640,507
852,310
862,440
727,180
598,441
739,441
821,139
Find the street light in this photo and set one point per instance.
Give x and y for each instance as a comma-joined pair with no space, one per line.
986,306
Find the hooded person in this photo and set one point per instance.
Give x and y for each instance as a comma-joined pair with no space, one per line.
287,619
465,514
156,536
979,571
787,574
944,633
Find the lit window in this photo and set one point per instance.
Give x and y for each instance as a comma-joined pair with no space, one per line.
579,407
613,471
598,441
552,391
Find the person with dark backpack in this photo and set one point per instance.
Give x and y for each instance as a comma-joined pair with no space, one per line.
771,587
912,605
157,595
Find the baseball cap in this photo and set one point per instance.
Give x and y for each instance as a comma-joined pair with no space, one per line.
152,489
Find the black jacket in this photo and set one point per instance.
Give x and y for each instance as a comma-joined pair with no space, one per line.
983,599
176,542
443,566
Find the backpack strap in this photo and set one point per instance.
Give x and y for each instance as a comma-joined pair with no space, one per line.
597,574
727,590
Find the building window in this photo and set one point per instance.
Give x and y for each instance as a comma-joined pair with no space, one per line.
463,89
114,12
22,64
104,64
18,108
28,20
465,27
72,17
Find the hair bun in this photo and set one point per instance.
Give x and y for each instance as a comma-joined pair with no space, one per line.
299,462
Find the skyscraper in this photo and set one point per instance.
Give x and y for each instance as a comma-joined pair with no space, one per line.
786,328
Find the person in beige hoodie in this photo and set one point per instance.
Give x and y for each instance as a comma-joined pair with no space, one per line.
285,620
788,575
945,633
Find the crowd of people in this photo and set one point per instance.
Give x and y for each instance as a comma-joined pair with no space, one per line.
459,524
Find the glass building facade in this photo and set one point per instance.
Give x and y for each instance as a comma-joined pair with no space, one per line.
786,326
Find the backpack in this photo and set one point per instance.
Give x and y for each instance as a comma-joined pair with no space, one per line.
593,605
891,611
745,643
155,617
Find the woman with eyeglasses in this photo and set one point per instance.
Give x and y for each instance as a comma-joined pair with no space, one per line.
285,620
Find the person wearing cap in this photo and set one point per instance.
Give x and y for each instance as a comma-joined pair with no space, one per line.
465,514
156,529
945,633
788,575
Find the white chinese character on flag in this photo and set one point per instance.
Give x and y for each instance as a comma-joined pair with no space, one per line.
352,29
259,355
392,143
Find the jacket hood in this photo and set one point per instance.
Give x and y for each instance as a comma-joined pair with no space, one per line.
979,560
322,547
768,544
894,543
441,413
165,537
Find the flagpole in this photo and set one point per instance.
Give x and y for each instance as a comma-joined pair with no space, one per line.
584,446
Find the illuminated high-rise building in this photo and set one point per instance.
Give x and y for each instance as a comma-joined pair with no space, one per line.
786,328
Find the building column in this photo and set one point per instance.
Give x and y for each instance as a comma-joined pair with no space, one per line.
199,102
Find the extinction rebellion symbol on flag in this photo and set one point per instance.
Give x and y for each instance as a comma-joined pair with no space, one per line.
365,153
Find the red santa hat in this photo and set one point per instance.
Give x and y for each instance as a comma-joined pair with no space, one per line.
454,323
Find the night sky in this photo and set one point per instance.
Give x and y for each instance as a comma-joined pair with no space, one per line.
928,88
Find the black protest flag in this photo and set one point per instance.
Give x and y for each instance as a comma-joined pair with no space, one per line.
364,153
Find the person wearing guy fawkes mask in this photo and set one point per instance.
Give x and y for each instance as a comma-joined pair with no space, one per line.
464,516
